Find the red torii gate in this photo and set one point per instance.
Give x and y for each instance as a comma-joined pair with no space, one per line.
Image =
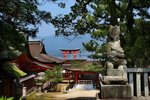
70,51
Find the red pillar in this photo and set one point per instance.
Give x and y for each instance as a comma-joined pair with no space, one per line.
74,53
65,54
76,77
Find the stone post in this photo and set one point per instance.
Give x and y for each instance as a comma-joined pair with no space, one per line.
138,84
131,83
24,91
146,90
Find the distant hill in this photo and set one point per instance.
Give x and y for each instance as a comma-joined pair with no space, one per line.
53,45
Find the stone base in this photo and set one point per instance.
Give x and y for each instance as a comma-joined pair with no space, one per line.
114,79
115,91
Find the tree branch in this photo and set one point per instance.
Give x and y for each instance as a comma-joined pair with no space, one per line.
143,5
113,12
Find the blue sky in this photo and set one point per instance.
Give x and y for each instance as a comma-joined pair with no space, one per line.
48,29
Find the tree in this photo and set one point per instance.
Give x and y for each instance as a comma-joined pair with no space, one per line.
20,18
15,18
94,16
54,76
88,66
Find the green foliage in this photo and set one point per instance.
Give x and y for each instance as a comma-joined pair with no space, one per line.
98,50
13,70
94,16
88,66
93,67
6,98
54,75
98,33
76,64
17,19
91,46
138,54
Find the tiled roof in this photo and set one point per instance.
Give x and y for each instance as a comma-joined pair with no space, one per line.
35,48
37,51
51,58
43,65
26,64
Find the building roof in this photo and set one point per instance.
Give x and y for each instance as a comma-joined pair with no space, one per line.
37,60
47,58
35,48
28,65
37,51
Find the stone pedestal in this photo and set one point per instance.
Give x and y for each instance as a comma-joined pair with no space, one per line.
115,91
115,79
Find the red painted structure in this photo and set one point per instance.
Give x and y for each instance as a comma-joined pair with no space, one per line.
74,73
28,65
70,51
77,74
37,60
